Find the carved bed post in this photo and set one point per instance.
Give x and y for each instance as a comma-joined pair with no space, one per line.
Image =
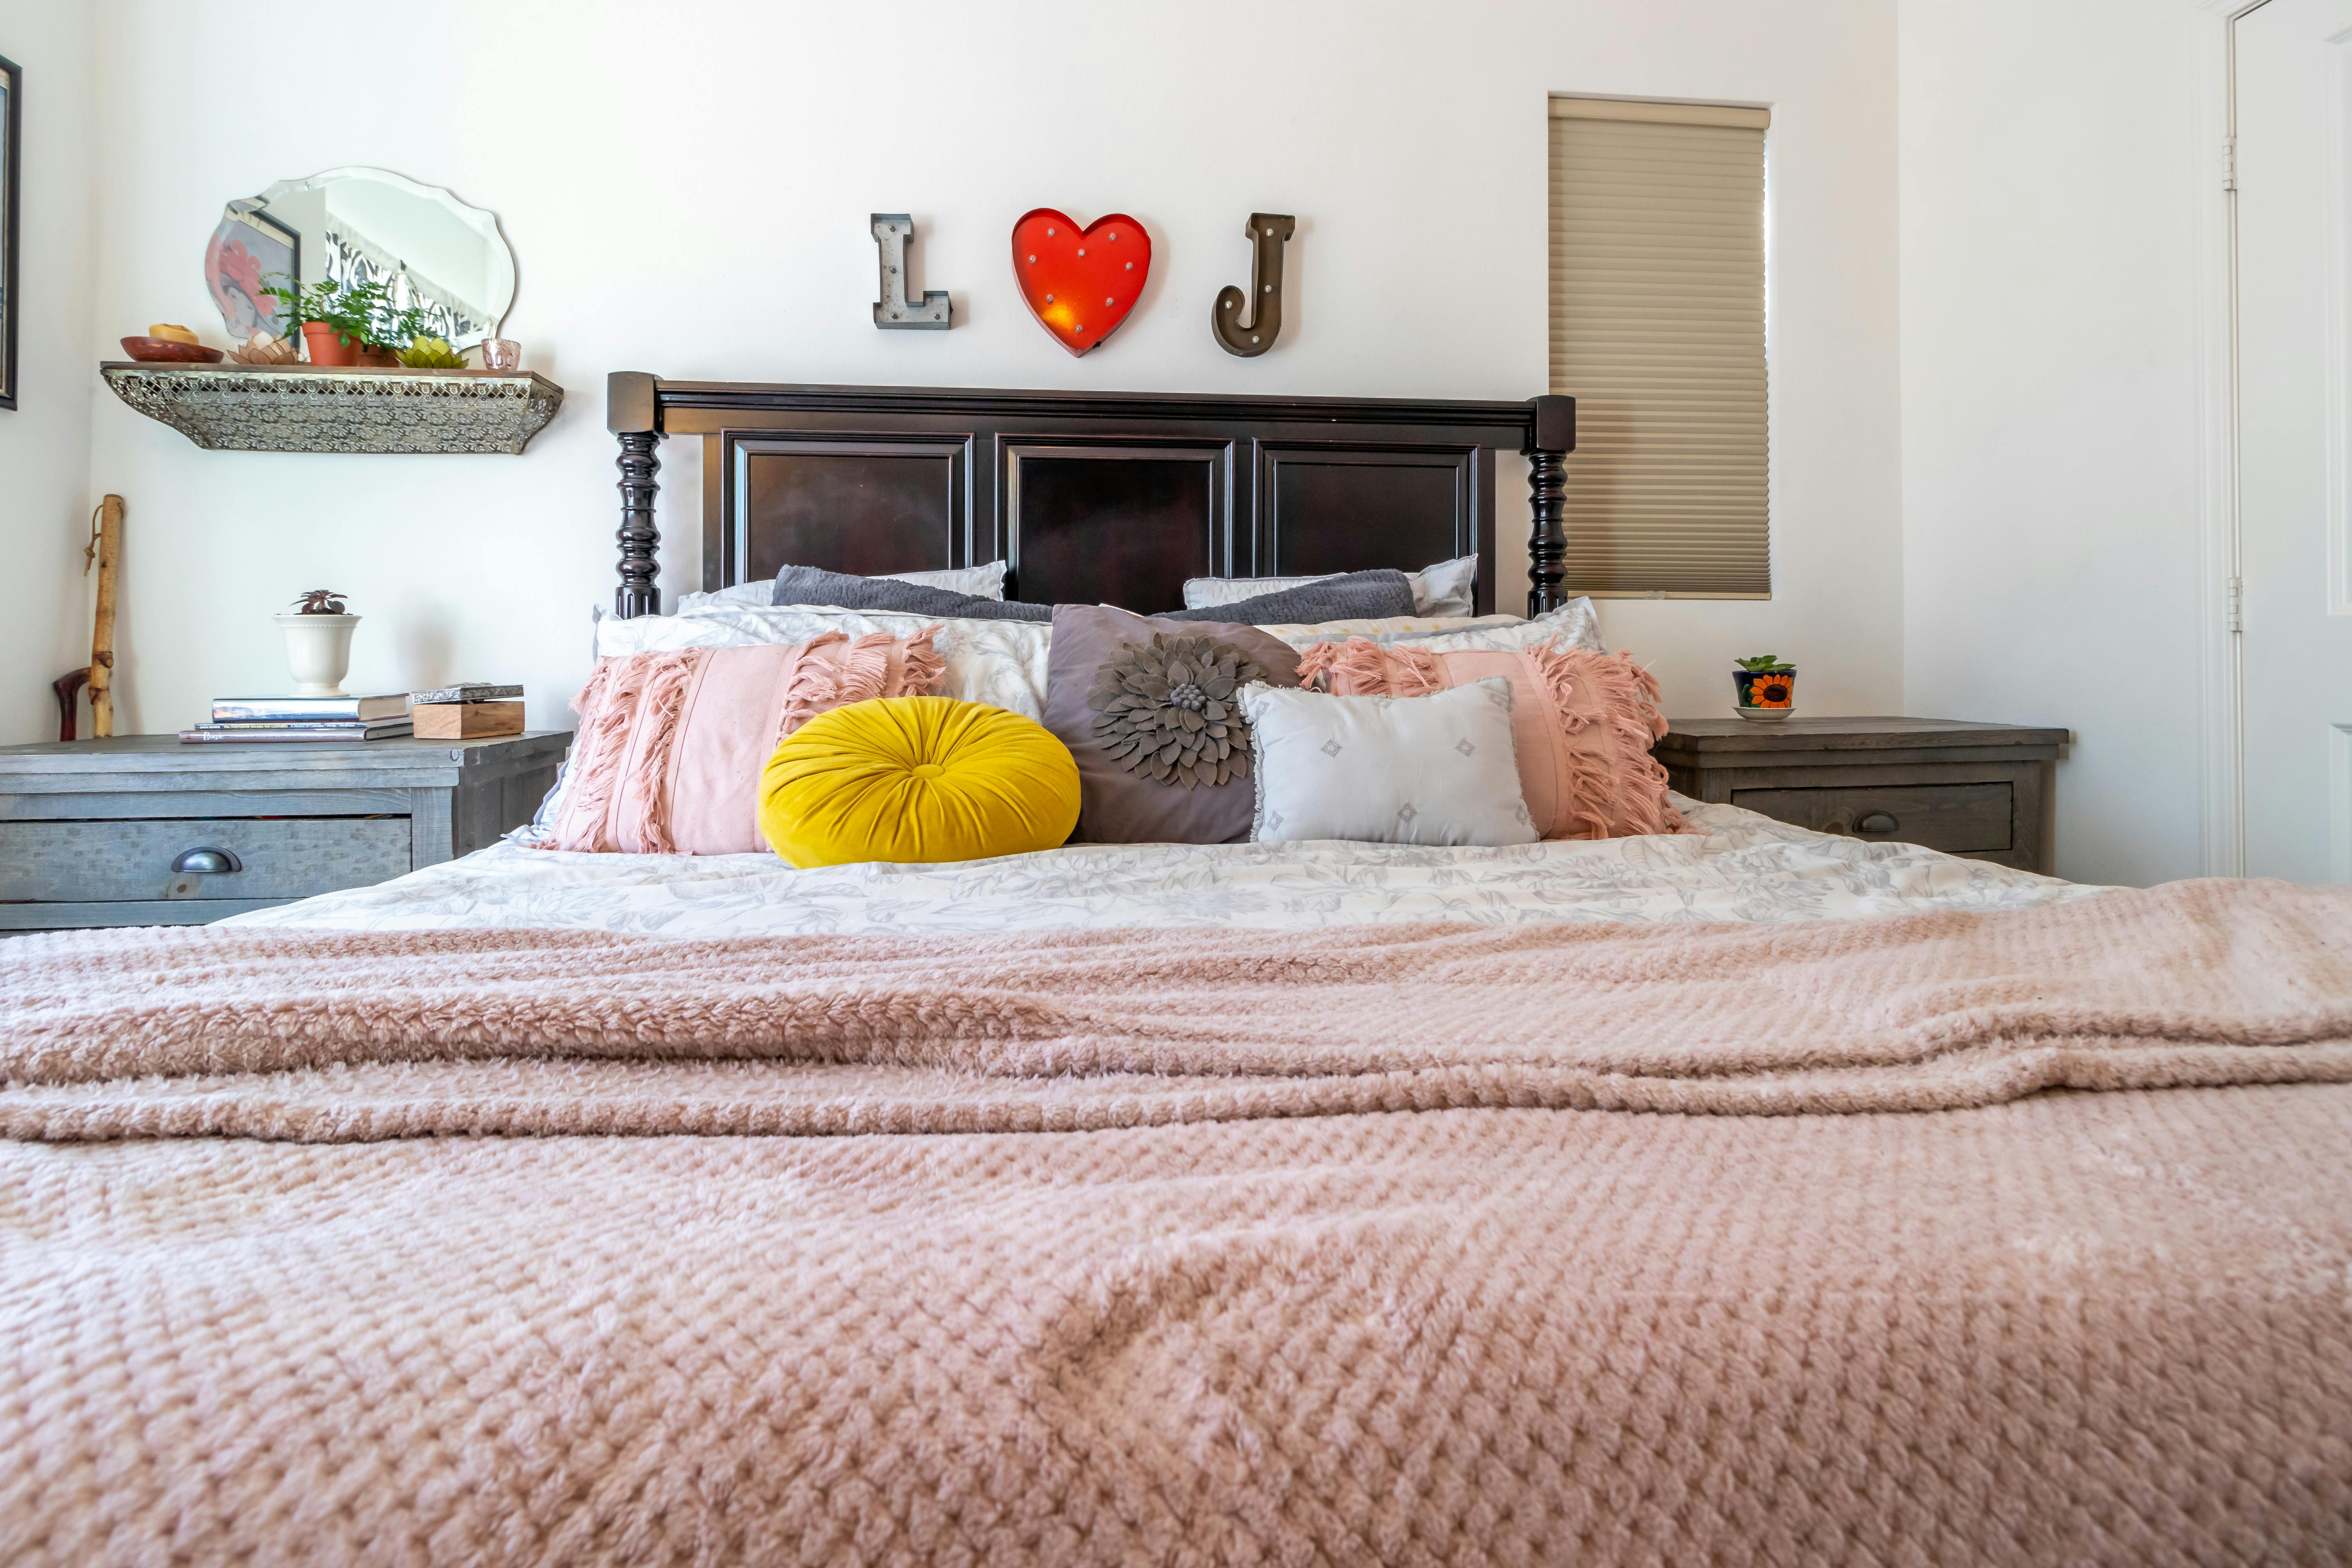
1551,436
633,413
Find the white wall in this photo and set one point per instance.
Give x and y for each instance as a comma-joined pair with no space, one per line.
46,493
2051,426
687,191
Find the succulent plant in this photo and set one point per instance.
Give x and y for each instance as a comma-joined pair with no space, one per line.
321,602
1765,664
431,354
1165,709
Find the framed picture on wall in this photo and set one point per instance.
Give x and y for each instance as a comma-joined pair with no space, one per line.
11,125
249,245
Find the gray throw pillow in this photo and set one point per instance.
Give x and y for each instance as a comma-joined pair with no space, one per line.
1446,588
1132,794
1358,596
816,586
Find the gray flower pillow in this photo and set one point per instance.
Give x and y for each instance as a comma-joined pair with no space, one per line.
1165,709
1148,708
1387,770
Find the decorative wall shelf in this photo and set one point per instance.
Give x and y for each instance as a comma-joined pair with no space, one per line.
306,408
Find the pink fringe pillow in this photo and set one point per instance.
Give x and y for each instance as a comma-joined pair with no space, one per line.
670,745
1581,724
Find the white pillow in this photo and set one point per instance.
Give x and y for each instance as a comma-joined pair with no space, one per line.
1448,588
1206,593
742,595
1001,663
1388,628
980,582
1445,589
1574,625
1386,770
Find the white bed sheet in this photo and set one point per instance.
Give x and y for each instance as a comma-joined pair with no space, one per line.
1748,868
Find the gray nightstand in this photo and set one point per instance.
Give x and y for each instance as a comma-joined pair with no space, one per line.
113,833
1978,790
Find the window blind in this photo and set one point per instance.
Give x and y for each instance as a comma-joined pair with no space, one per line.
1657,332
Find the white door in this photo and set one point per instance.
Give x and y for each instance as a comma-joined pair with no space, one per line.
2295,366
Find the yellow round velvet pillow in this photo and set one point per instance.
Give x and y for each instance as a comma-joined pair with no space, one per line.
916,779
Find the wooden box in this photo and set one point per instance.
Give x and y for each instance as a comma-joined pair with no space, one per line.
466,721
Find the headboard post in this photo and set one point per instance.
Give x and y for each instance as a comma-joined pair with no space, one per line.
1551,436
632,412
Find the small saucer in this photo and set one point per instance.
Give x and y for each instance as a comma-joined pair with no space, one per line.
163,351
1773,713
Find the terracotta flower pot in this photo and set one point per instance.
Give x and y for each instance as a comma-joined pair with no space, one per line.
1765,693
327,345
375,356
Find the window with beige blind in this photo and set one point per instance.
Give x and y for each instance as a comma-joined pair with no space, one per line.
1657,332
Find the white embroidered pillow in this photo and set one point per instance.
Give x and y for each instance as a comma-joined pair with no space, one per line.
1387,770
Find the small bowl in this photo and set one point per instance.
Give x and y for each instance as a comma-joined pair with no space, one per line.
163,351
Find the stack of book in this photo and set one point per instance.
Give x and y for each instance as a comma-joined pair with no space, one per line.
469,711
252,718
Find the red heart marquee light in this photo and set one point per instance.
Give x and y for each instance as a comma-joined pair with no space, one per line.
1080,283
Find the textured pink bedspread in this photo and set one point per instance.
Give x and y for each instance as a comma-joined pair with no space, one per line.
1166,1246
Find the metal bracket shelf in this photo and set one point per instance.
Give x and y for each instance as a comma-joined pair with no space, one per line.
306,408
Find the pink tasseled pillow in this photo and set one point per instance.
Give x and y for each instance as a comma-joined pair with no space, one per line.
670,745
1581,725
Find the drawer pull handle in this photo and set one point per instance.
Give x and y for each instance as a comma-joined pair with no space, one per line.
207,862
1877,822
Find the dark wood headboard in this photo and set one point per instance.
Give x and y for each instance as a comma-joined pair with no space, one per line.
1092,497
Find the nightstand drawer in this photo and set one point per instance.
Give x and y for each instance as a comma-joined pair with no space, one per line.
1958,819
280,857
89,829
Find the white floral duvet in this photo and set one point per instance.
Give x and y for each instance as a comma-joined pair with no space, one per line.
1746,867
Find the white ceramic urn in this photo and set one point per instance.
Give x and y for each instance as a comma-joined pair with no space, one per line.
318,652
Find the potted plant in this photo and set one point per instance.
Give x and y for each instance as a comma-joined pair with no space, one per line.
358,324
1767,688
389,326
335,319
319,643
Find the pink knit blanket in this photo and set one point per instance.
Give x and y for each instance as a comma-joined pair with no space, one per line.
1171,1246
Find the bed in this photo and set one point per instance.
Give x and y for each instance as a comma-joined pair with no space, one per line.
1741,1195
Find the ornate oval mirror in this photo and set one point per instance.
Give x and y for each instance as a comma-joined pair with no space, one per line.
360,226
